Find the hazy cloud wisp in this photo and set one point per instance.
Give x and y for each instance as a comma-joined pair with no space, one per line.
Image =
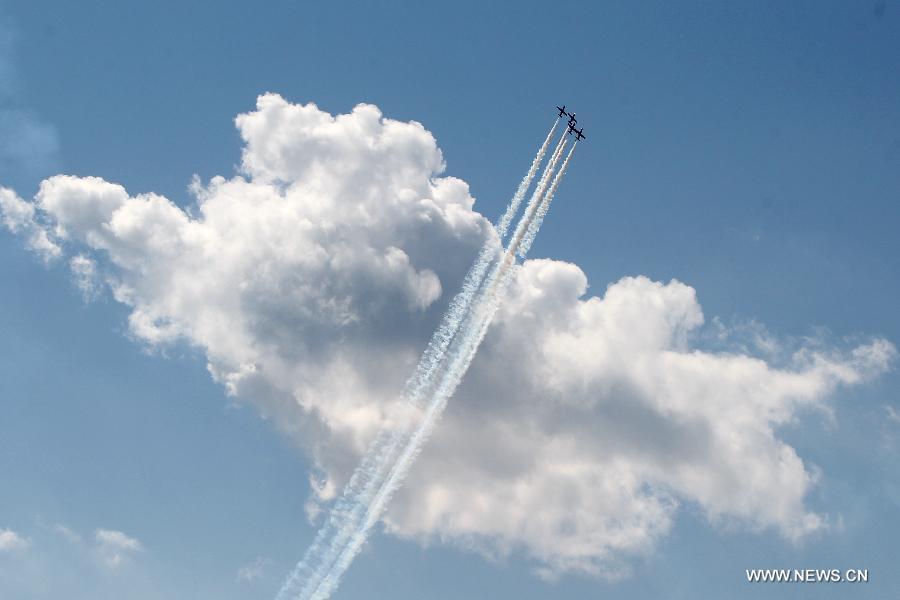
10,541
114,547
28,145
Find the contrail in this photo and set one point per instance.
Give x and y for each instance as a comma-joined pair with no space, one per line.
473,280
363,484
440,369
462,353
513,207
535,225
323,588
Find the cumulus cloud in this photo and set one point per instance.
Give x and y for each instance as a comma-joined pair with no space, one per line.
114,548
613,420
19,217
312,279
10,541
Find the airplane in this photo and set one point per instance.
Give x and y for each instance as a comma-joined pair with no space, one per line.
562,111
579,133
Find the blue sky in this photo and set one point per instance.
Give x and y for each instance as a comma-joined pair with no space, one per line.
751,152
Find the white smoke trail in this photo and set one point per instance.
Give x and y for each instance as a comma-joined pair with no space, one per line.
461,355
346,512
348,509
538,220
471,283
513,207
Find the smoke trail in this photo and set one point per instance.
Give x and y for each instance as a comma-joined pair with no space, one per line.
345,514
365,482
535,225
513,208
461,355
471,283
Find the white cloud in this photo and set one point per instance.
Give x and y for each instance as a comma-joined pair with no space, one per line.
312,281
615,420
10,541
84,273
254,571
114,547
19,217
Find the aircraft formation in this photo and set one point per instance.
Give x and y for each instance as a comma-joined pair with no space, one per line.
579,133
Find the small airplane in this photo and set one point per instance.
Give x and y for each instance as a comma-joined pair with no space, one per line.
562,112
579,133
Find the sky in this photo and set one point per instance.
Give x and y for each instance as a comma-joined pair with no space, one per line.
202,319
